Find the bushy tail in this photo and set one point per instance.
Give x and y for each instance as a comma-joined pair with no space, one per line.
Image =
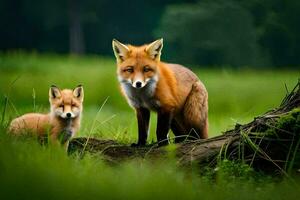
196,111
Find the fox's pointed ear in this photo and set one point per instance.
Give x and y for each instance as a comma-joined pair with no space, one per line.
54,92
78,92
120,50
154,49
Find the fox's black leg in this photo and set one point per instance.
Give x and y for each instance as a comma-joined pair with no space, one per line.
163,127
178,131
143,117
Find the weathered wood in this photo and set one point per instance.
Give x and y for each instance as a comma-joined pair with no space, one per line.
250,143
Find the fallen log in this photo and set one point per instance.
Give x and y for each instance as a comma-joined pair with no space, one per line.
269,143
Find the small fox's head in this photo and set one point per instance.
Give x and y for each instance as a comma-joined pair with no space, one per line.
138,65
67,103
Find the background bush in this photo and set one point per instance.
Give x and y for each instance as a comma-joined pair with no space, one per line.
221,32
210,33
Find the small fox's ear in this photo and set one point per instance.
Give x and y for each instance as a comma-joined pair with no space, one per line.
154,49
78,92
120,50
54,92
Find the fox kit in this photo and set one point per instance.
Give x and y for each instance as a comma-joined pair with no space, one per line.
60,124
173,91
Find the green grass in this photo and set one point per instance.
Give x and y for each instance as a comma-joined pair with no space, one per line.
28,170
234,95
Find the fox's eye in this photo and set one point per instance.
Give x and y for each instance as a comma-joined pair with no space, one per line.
147,69
61,105
73,104
130,70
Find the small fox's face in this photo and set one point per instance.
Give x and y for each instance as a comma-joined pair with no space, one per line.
66,104
138,65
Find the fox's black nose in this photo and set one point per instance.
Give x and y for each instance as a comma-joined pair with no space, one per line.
68,115
138,84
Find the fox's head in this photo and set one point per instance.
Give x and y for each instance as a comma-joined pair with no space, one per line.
138,65
67,103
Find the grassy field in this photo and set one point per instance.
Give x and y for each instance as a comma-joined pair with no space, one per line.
28,170
234,96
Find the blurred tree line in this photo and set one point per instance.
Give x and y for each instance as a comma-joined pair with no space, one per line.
201,32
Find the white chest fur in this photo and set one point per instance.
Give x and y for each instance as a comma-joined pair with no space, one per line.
142,97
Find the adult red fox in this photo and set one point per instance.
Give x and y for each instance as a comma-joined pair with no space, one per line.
173,91
62,122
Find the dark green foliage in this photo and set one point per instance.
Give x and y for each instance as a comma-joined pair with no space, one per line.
222,32
210,33
44,25
277,26
287,129
34,24
289,123
229,171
